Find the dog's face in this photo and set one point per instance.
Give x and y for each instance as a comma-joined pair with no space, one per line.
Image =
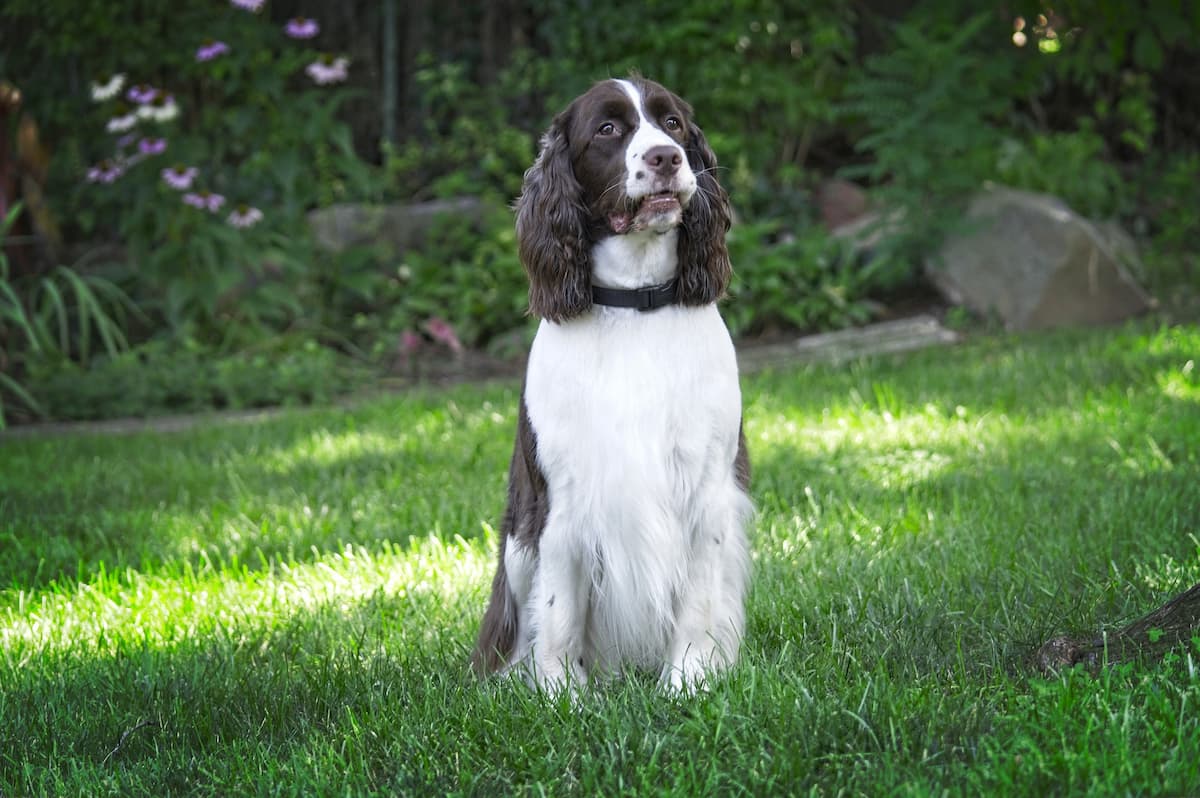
627,151
624,158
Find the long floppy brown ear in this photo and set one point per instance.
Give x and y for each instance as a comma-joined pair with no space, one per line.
552,232
704,268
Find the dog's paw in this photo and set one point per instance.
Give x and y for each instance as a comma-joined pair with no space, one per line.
688,677
555,677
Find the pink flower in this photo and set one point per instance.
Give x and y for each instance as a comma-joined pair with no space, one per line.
152,146
410,342
328,70
211,49
441,331
301,28
248,5
107,171
245,216
179,177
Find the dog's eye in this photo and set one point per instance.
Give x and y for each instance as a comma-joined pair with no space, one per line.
607,129
672,123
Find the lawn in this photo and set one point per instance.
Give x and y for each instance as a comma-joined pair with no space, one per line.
286,607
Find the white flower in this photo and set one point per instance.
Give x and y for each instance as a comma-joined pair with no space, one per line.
106,91
245,216
119,124
327,71
162,109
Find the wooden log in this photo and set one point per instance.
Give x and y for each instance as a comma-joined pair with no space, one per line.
901,335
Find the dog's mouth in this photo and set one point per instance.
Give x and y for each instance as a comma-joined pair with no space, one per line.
658,212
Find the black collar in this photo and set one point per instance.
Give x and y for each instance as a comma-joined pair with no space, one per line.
651,297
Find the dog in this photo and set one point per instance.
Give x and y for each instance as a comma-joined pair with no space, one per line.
624,540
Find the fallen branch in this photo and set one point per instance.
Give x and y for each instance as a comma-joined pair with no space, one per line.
1150,636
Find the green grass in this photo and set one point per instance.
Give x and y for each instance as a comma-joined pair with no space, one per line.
287,607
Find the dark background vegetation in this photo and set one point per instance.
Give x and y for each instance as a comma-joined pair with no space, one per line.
117,300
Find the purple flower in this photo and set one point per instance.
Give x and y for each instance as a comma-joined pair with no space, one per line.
441,331
141,94
211,49
328,70
179,177
107,171
152,146
301,28
245,216
248,5
204,200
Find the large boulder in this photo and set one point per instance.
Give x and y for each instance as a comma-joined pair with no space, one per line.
401,227
1035,263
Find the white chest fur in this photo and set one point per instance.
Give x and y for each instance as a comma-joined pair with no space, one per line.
637,418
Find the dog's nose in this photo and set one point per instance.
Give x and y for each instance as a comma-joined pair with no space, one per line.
664,159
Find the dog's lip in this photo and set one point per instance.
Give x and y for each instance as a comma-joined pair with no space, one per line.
648,206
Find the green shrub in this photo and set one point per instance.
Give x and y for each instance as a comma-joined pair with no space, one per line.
184,377
465,280
783,281
1170,204
1072,165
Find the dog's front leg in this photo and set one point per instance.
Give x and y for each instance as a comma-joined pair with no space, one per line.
710,612
558,607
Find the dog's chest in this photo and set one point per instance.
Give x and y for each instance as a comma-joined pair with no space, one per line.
633,412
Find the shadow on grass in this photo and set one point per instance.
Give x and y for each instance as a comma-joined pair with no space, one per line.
259,687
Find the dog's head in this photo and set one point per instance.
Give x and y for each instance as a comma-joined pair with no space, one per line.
624,158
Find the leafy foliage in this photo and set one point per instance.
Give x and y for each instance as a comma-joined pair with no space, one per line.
52,319
1072,165
787,282
1085,100
929,107
169,377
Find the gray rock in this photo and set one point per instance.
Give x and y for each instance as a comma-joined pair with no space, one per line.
840,202
402,227
1037,264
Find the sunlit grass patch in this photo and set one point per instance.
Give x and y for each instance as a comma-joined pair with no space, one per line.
108,612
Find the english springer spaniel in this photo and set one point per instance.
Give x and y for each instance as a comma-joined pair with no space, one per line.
624,540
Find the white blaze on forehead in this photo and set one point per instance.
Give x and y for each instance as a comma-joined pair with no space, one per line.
638,177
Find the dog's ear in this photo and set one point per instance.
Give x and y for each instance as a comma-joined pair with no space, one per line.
552,231
704,268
